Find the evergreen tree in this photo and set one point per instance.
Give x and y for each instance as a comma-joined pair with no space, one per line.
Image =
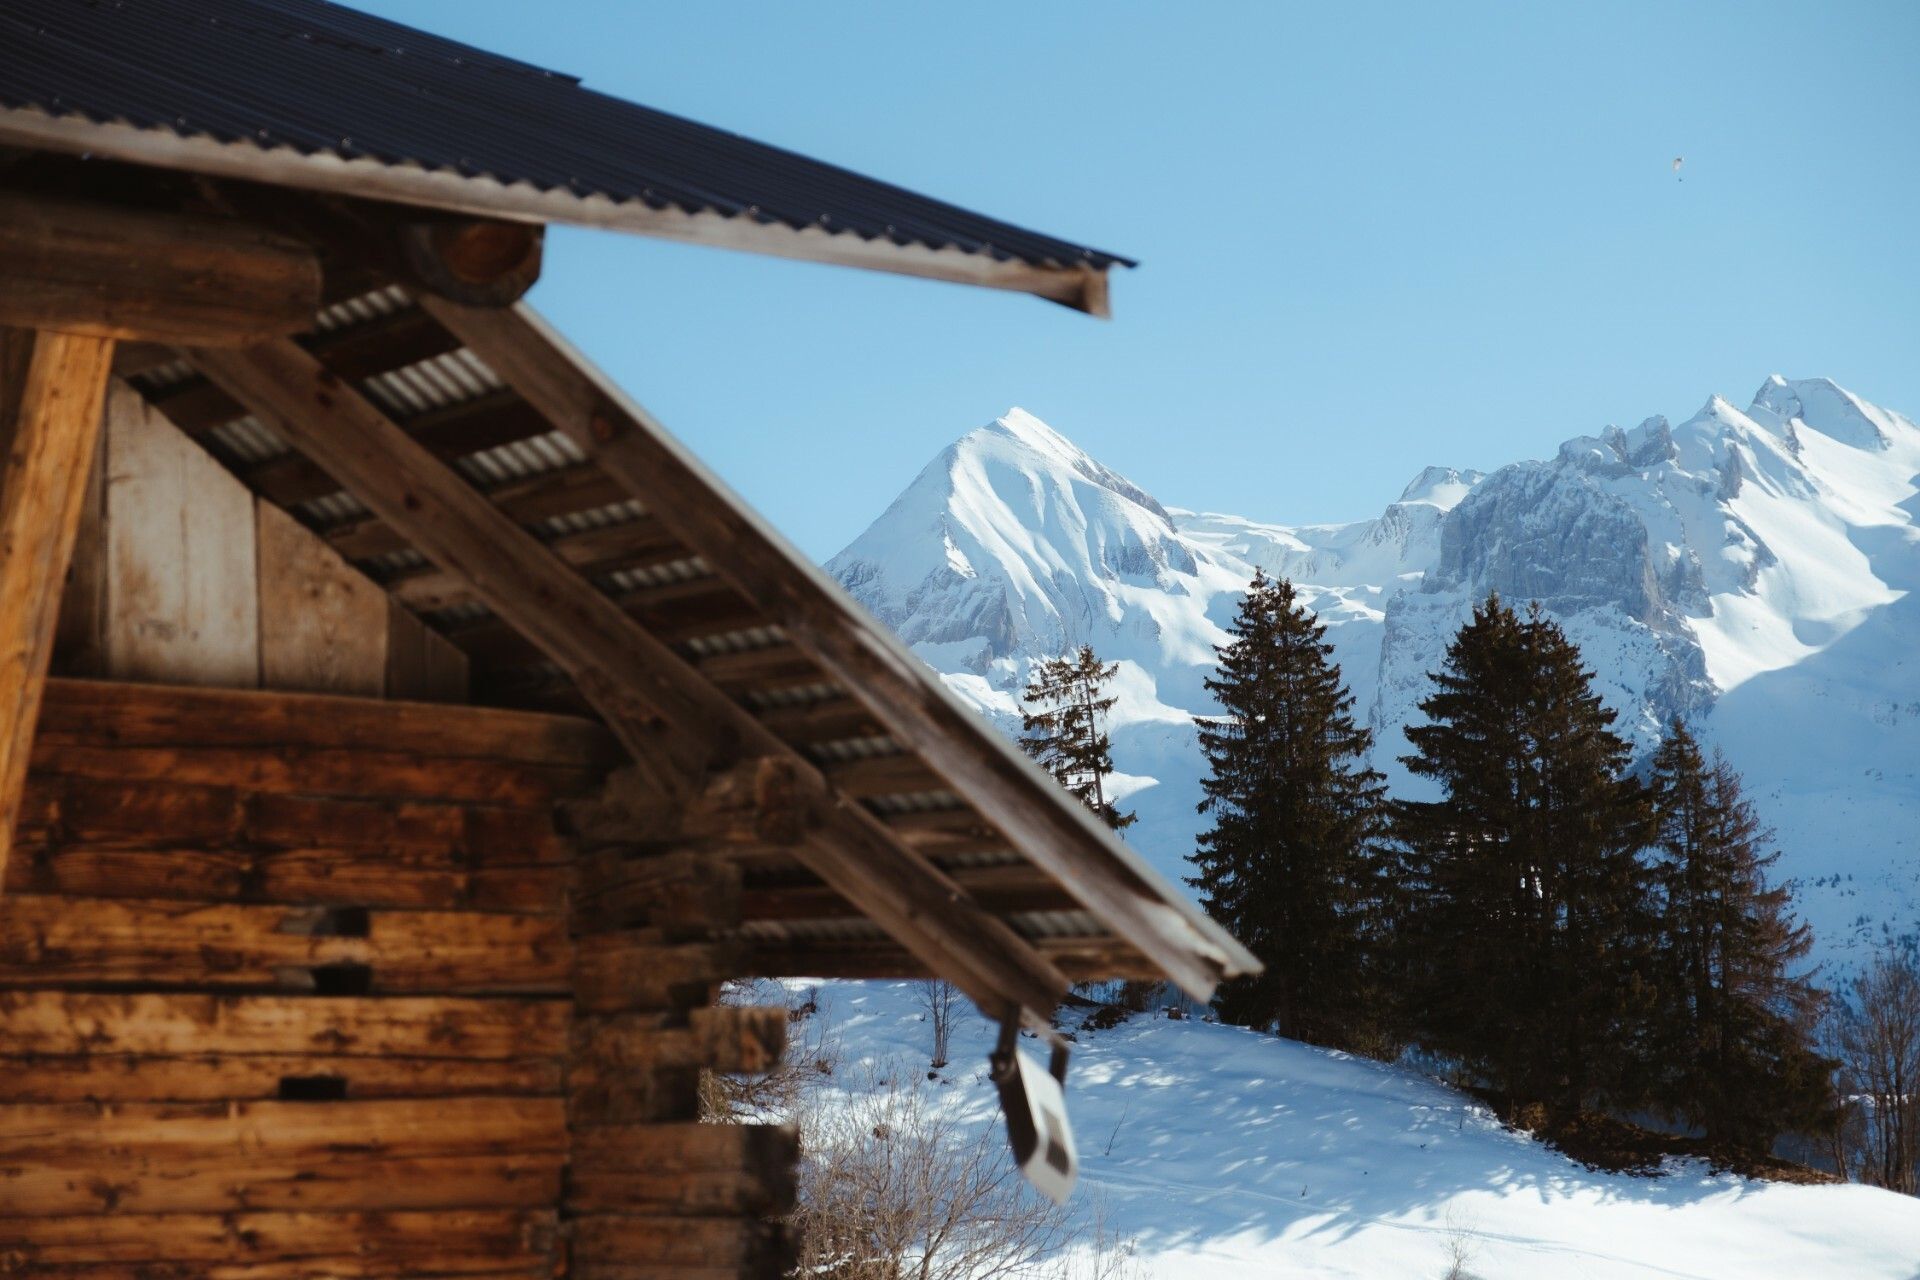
1066,701
1736,1026
1292,863
1525,909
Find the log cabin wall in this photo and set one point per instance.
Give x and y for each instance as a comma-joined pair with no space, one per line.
288,988
181,575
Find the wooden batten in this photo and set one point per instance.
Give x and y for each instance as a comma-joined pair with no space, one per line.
118,272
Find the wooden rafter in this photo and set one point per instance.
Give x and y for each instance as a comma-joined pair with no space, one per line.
820,621
650,696
51,389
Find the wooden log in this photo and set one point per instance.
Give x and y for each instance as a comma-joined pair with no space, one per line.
322,874
620,889
96,712
52,1023
66,1159
110,813
668,717
49,942
116,272
630,1068
639,970
210,1077
636,1247
1062,837
283,1246
49,426
688,1169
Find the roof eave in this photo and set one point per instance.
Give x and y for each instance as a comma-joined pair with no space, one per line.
1083,287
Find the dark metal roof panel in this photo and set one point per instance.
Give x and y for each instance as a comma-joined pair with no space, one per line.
320,78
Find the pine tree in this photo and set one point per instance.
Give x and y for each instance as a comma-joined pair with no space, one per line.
1062,731
1736,1024
1292,863
1525,911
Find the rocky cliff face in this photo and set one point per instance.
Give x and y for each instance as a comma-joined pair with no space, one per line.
1747,569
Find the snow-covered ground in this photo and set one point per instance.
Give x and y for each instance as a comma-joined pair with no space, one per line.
1229,1155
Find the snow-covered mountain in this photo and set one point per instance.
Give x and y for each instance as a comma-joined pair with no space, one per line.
1753,570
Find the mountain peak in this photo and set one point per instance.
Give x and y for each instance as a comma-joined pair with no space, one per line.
1441,487
1825,406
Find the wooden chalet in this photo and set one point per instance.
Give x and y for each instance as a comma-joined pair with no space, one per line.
402,735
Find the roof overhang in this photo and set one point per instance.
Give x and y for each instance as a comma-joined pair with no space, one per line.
1081,287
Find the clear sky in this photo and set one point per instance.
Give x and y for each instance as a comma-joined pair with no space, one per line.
1372,236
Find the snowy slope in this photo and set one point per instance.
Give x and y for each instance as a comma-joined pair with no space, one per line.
1751,569
1235,1156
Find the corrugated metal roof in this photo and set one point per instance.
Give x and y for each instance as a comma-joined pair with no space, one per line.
324,80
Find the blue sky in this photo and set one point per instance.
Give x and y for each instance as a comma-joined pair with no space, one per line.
1372,236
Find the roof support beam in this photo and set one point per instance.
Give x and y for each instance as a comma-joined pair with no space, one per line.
51,389
658,705
1064,839
117,272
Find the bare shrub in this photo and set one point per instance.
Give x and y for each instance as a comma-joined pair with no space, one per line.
1875,1034
941,1002
893,1185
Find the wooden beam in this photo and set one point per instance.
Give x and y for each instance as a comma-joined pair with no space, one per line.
116,272
50,427
668,716
900,690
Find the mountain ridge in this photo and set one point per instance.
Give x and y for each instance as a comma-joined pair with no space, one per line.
1747,569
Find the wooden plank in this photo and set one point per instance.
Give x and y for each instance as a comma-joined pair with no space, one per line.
323,624
554,493
68,1159
642,970
50,428
633,544
116,272
450,432
422,664
51,942
285,1246
1062,837
664,713
183,601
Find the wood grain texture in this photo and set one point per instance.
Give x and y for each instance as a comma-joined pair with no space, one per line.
182,592
118,272
54,942
50,437
504,1244
143,1157
422,664
323,624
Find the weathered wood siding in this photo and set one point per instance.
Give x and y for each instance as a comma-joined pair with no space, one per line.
297,985
286,988
181,575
